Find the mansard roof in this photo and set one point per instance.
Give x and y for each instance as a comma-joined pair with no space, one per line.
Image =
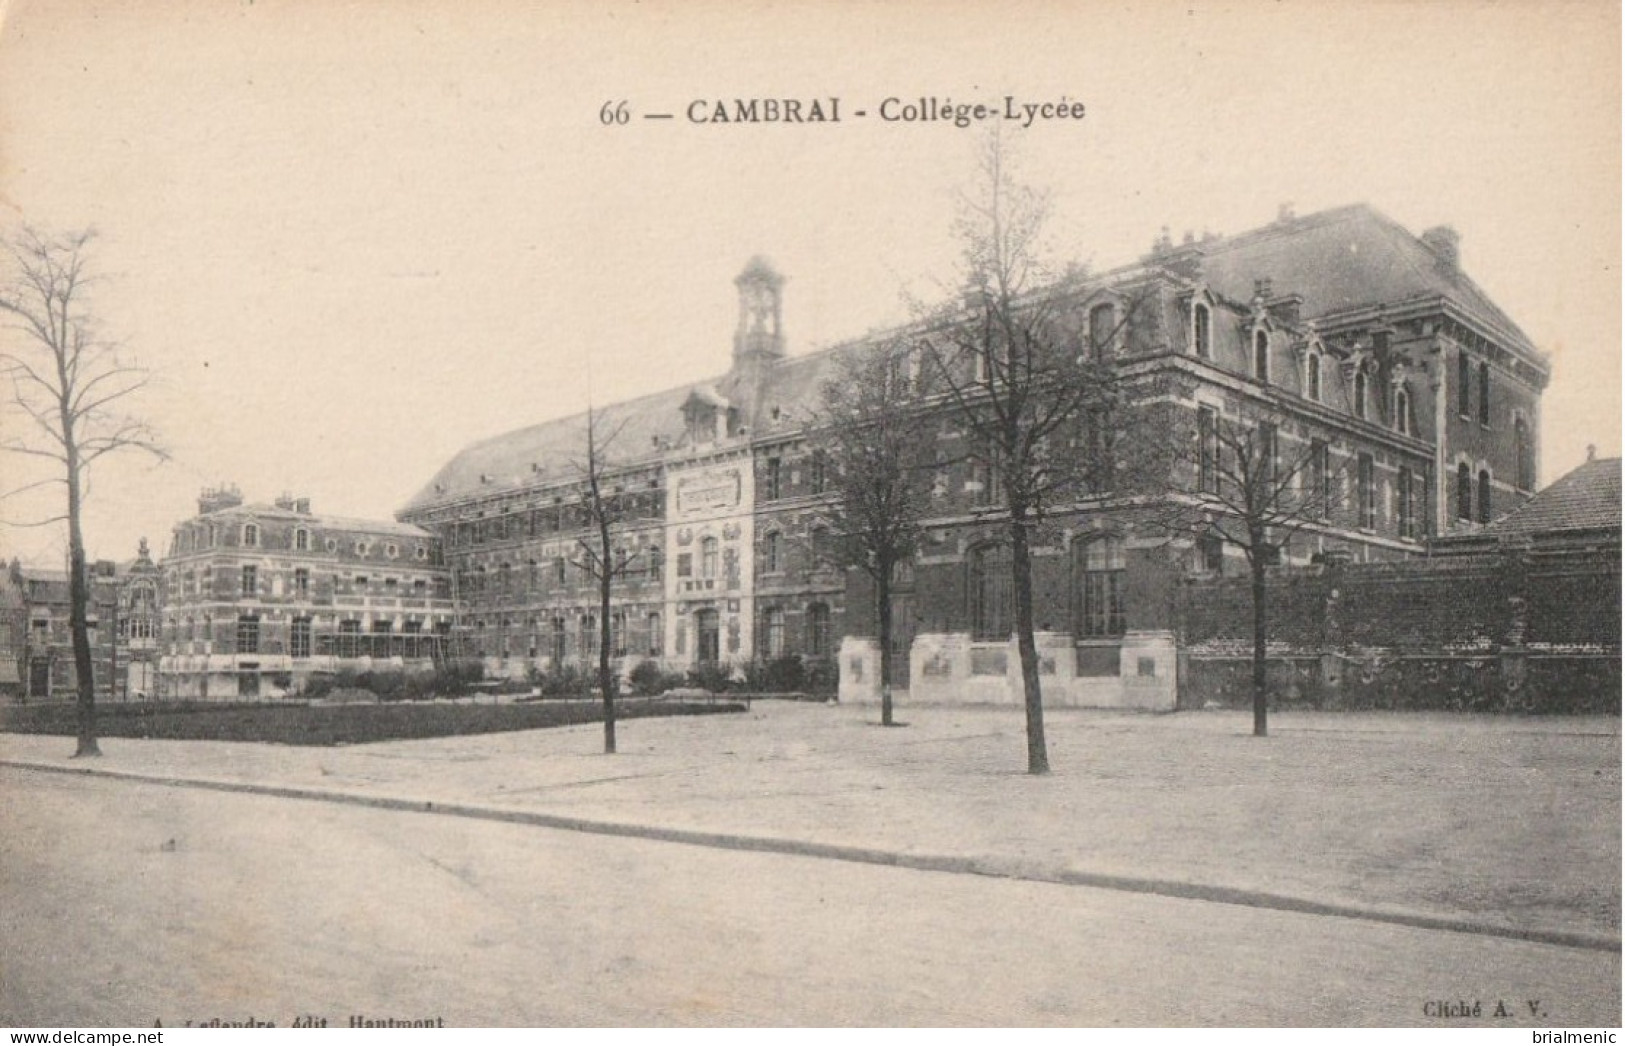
315,521
547,453
1346,259
1336,262
1587,498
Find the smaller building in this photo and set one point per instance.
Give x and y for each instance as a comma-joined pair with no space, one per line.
259,598
36,646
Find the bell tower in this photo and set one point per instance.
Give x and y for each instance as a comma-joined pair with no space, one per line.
761,295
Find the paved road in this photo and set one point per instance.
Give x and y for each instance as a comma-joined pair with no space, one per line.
124,903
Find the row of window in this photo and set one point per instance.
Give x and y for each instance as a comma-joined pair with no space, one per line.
534,523
537,575
629,636
299,540
774,640
774,476
1096,590
249,583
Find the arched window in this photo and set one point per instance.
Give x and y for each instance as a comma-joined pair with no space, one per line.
1526,459
818,630
1261,355
251,535
990,592
1484,512
1359,394
1483,393
1097,570
773,632
1201,331
1464,491
1102,328
1314,376
301,540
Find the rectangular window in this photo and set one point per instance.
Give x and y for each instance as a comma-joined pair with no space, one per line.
1464,385
1268,454
301,582
248,634
774,479
1207,449
251,581
1103,588
685,564
1407,509
299,637
657,638
1367,492
818,630
1484,394
1320,477
817,470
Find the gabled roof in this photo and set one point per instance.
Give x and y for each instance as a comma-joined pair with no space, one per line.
1348,258
1587,498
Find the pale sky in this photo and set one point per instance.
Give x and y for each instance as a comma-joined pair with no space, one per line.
351,238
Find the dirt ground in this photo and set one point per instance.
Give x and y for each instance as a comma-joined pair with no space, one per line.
1509,821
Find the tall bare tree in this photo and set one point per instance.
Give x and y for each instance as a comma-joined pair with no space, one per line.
73,387
877,445
605,510
1039,403
1243,491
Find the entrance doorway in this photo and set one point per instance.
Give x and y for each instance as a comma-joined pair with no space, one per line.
708,645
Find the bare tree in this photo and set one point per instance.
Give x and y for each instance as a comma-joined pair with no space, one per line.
1038,401
877,444
72,385
1245,492
605,511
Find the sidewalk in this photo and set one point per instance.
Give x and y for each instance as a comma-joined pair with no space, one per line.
1502,825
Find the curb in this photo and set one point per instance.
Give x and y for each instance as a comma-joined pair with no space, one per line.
990,868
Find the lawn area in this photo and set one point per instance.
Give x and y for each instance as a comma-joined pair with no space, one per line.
339,724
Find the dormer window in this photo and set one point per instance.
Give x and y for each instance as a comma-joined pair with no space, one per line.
251,535
1261,356
1359,394
1313,384
1402,411
301,540
1202,331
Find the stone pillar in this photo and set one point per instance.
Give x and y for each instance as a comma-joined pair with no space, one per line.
1149,669
859,670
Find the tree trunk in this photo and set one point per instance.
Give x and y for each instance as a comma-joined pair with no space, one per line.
1260,633
1022,565
883,616
606,678
78,624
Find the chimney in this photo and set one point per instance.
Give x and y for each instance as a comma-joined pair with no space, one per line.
1285,213
1591,452
213,499
1445,242
302,506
